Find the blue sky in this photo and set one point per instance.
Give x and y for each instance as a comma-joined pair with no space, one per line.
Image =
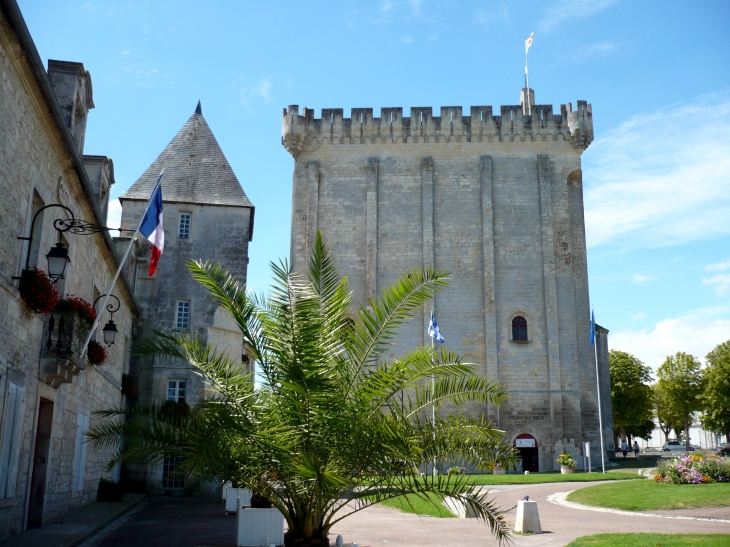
656,179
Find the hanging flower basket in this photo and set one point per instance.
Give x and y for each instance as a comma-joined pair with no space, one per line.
129,387
96,353
72,303
37,291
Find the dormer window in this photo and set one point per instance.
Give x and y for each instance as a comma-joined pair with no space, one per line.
184,228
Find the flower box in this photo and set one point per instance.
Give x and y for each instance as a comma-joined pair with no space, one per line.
566,469
233,494
37,291
256,527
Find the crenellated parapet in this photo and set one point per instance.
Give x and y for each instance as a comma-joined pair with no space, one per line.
481,125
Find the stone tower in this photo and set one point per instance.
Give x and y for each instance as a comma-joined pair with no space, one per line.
207,216
498,201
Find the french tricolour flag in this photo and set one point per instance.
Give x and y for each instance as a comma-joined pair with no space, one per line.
151,226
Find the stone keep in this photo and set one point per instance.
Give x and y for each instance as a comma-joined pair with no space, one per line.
497,200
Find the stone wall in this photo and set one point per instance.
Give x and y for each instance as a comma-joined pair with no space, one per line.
34,158
495,200
217,234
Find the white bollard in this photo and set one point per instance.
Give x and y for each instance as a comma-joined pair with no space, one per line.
528,518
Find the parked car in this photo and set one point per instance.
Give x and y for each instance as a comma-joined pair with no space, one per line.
722,449
676,446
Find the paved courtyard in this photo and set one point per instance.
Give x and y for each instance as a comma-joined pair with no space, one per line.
200,522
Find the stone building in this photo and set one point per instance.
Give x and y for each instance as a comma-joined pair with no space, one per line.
48,394
208,217
498,201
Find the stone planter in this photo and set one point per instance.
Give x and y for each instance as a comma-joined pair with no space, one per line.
224,489
499,470
233,494
564,469
255,527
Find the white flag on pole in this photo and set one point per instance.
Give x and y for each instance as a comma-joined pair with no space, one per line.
528,42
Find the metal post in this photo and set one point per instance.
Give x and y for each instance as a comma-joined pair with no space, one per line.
600,415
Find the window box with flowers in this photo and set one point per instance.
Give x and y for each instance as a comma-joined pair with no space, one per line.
38,291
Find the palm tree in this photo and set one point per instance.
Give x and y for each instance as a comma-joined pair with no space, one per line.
333,427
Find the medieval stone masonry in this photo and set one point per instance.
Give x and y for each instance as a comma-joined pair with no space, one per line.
207,217
497,200
47,393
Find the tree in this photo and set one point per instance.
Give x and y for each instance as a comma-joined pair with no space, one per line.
716,394
666,416
631,395
680,381
327,426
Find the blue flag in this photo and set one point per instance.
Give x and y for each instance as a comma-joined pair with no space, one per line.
433,330
593,328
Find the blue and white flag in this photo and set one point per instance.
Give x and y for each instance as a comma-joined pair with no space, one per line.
593,328
433,330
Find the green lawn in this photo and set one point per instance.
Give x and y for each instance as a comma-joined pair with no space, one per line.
413,504
650,495
652,540
538,478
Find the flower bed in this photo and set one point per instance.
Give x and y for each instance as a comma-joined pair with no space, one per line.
694,469
72,303
37,291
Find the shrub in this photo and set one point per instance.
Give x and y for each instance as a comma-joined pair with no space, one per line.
694,469
96,353
109,491
38,291
83,309
456,470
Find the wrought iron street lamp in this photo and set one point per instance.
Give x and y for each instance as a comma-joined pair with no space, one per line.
110,329
58,259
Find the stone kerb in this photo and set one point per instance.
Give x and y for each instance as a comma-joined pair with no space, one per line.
575,126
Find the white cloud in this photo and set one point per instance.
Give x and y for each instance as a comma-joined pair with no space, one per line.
662,178
407,39
572,9
638,278
696,333
719,267
720,281
595,50
261,90
114,216
637,316
484,17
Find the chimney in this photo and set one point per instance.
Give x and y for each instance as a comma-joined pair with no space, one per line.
524,94
72,85
100,171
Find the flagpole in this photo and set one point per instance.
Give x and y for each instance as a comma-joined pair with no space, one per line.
598,390
527,82
122,262
433,402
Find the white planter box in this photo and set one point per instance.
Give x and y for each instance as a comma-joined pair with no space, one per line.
253,525
232,494
226,486
564,469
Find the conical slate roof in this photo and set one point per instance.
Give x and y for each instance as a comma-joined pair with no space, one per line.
196,171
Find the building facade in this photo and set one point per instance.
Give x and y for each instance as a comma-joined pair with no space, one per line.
48,392
207,217
497,200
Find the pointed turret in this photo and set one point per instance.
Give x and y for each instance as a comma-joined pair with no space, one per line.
196,170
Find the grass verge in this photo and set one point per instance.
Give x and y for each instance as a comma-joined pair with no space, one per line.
539,478
650,495
652,540
414,504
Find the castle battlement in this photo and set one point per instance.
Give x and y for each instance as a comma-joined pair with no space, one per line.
512,123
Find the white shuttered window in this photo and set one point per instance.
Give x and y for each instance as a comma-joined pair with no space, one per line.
82,426
10,443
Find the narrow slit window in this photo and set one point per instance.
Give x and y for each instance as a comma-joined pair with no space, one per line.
519,329
182,319
184,230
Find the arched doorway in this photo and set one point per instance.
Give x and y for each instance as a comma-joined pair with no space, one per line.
527,447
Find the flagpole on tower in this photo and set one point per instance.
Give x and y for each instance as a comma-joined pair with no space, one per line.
528,43
122,262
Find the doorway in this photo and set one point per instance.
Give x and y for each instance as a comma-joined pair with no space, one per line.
526,446
40,463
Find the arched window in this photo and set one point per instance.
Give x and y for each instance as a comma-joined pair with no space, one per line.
519,329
